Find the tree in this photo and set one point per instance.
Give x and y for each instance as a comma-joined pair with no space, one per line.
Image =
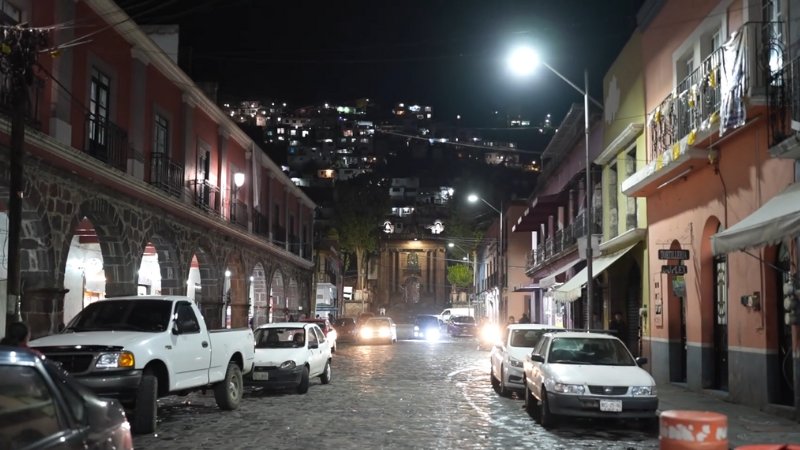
360,205
460,275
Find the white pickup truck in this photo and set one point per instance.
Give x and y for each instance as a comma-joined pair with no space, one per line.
137,349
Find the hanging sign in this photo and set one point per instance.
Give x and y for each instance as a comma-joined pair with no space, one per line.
674,269
673,254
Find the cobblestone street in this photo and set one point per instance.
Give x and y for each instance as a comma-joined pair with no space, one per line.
410,395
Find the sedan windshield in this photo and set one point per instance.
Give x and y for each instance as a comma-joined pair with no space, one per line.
123,315
289,337
466,320
593,351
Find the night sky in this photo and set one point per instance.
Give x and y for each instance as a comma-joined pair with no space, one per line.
447,54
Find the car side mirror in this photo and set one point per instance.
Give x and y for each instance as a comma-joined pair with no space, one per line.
640,361
176,329
313,345
537,357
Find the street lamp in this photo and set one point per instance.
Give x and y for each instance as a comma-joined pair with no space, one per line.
523,61
238,182
472,198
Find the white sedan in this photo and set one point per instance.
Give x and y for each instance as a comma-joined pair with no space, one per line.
508,354
289,354
585,374
378,329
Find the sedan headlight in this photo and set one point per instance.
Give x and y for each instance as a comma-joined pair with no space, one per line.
568,388
383,332
366,332
416,327
115,360
288,365
514,362
640,391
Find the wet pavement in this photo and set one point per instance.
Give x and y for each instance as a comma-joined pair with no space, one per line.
413,394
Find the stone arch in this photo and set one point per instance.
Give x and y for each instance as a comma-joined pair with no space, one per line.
209,296
259,295
170,262
293,296
236,295
677,321
119,262
704,282
277,294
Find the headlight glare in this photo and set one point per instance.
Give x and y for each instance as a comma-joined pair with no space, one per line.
115,360
514,362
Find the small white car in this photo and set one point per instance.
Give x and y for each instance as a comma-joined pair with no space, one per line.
584,374
289,354
508,354
378,329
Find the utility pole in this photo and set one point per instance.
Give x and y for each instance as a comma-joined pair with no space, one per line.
19,49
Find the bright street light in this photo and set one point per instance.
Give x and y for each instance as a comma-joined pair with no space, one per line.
522,61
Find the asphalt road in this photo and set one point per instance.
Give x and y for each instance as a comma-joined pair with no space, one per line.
412,394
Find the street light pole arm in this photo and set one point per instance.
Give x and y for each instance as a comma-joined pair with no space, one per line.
490,205
573,85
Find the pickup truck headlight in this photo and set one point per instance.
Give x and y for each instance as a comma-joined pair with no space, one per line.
568,388
640,391
514,362
116,360
288,365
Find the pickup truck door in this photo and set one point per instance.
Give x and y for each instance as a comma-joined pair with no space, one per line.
190,355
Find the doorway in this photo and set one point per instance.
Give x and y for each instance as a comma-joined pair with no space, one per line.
784,394
720,379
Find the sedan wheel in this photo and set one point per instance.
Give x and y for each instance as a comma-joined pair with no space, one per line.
494,380
530,404
546,418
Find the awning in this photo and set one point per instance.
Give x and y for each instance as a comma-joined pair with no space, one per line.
550,280
571,290
777,219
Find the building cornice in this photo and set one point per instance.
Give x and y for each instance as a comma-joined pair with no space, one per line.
631,132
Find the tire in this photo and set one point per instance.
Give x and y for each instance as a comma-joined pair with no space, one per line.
145,411
494,380
228,392
333,349
546,418
325,377
302,387
530,403
501,389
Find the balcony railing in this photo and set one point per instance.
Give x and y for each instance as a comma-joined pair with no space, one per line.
107,142
696,103
166,174
278,235
32,101
260,224
206,196
784,102
563,240
239,213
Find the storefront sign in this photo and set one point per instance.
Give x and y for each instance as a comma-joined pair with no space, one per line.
673,254
676,269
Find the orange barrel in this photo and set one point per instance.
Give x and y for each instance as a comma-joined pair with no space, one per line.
769,447
693,430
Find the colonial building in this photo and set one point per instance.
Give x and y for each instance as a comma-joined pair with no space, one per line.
135,182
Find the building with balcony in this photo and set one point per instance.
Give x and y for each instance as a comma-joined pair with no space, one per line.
715,313
136,183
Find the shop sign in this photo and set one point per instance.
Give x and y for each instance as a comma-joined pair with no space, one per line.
673,254
674,269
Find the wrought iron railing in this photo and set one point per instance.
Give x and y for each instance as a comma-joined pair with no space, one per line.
696,101
278,234
563,240
206,196
260,224
783,97
239,213
107,142
166,174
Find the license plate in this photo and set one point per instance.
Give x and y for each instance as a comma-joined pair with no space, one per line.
261,376
611,405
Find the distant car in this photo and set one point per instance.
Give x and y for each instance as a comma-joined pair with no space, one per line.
289,354
331,334
462,326
427,326
345,329
584,374
508,354
41,406
378,329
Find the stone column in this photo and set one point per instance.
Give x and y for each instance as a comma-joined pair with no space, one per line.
43,310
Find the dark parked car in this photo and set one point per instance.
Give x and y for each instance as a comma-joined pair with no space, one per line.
462,326
41,406
346,327
331,333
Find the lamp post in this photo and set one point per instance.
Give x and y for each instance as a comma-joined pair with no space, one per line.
472,198
238,182
524,61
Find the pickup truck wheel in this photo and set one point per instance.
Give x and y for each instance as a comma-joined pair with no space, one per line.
302,388
228,392
325,378
546,418
145,411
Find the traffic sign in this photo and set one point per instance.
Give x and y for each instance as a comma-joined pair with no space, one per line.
673,254
674,269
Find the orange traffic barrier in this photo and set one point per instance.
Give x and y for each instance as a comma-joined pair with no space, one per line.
693,430
769,447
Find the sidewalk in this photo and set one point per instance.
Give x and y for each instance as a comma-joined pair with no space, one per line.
746,425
